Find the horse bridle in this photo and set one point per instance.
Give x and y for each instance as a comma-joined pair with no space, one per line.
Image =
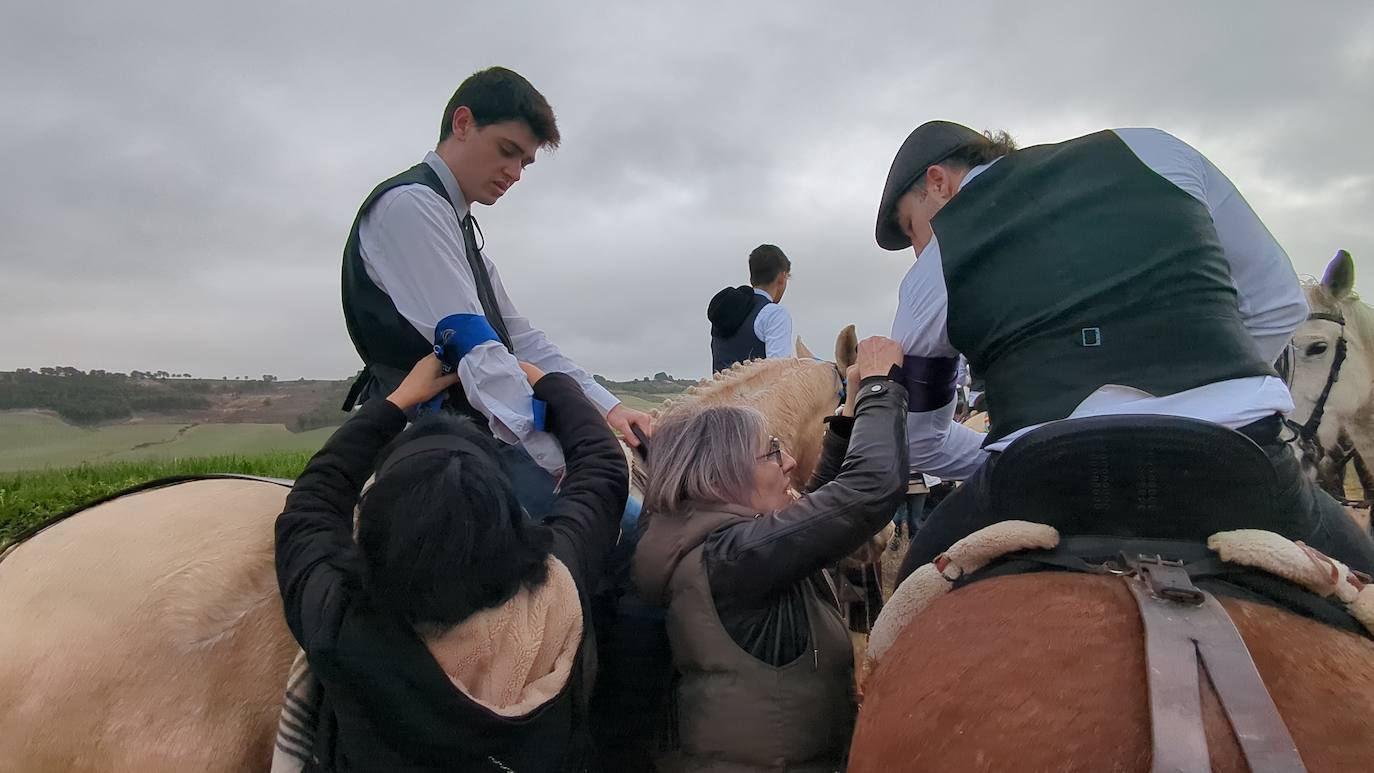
1305,434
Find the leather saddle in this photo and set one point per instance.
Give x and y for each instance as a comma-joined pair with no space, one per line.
1137,476
1146,485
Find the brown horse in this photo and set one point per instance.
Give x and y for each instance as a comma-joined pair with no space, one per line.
146,633
1046,672
1049,670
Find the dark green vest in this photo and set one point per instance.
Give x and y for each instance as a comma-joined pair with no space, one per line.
385,340
1073,266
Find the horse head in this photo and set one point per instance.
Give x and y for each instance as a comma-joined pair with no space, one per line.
1330,364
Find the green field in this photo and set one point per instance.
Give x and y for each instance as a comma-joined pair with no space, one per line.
30,441
30,498
37,440
48,466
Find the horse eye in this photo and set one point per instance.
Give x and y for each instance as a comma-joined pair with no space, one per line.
1313,350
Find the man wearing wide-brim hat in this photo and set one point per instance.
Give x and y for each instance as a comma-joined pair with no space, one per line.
1116,273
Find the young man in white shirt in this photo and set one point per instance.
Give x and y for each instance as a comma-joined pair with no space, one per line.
1117,273
750,323
413,264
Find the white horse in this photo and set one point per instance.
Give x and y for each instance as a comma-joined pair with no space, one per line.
1331,376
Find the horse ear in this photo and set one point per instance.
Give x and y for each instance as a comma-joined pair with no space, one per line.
803,352
1339,278
846,348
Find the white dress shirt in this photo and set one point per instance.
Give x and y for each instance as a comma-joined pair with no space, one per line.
412,248
1270,299
773,326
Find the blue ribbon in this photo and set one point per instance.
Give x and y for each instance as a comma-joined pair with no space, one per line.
458,334
540,410
454,337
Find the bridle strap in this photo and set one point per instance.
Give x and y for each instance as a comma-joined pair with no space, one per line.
843,392
1307,432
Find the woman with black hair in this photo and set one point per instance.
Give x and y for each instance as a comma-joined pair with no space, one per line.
453,633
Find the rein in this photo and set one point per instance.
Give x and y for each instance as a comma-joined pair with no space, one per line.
843,393
1345,453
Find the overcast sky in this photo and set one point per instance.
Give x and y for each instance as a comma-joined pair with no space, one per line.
179,177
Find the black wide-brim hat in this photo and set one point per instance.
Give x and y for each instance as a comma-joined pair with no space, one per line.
930,143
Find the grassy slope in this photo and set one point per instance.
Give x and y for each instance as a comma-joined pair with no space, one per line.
48,466
37,441
28,498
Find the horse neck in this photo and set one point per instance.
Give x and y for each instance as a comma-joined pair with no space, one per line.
792,394
762,381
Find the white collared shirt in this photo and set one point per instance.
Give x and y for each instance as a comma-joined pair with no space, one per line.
412,248
773,326
1270,299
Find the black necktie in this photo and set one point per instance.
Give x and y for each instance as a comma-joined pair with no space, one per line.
490,308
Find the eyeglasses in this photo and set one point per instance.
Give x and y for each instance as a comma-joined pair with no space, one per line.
774,450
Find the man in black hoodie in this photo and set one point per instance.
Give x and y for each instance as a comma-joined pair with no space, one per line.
748,322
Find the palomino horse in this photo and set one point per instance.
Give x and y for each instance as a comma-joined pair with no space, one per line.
794,395
1331,376
146,633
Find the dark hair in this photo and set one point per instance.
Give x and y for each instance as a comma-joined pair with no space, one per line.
497,94
765,263
441,533
997,143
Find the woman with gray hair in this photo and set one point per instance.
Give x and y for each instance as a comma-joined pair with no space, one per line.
764,663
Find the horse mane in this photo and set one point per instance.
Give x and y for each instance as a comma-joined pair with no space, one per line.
779,375
789,387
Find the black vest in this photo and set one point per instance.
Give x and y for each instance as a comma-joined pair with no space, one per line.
385,340
742,345
1073,266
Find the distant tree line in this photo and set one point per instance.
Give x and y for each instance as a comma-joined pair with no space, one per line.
82,397
95,396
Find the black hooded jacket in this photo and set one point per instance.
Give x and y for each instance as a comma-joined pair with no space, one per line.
732,312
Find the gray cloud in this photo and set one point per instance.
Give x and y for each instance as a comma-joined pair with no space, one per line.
181,177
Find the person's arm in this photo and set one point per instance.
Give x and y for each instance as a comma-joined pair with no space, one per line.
838,430
1269,295
749,561
533,346
773,326
585,518
833,448
413,249
314,533
937,445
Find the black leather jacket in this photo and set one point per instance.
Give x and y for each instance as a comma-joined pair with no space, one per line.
754,567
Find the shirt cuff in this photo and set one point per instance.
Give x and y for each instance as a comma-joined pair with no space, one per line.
544,450
601,397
